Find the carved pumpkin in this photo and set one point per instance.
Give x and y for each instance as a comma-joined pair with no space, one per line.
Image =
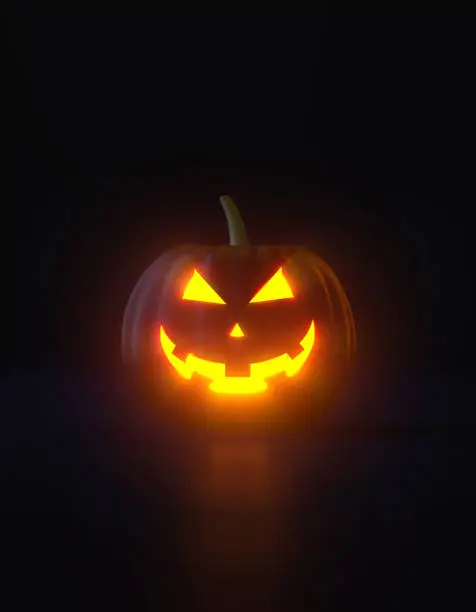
239,319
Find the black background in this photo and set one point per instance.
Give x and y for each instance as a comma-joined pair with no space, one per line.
344,128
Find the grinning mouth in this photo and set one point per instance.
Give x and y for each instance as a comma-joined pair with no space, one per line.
216,372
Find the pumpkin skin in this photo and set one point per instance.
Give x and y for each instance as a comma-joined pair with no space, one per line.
233,330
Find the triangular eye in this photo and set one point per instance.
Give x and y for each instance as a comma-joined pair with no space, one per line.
198,290
277,288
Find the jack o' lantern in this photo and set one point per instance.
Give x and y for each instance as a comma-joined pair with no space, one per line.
238,319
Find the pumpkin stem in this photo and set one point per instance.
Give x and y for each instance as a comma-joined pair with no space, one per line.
236,226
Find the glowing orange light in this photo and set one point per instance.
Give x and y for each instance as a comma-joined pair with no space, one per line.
198,290
277,288
239,385
259,372
236,332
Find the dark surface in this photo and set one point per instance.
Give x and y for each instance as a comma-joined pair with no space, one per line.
91,499
346,130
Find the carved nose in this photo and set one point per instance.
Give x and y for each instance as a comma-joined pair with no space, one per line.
236,331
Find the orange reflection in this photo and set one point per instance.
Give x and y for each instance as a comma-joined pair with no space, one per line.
259,372
277,288
236,538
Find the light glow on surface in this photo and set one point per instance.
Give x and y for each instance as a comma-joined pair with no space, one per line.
198,290
277,288
236,332
234,385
